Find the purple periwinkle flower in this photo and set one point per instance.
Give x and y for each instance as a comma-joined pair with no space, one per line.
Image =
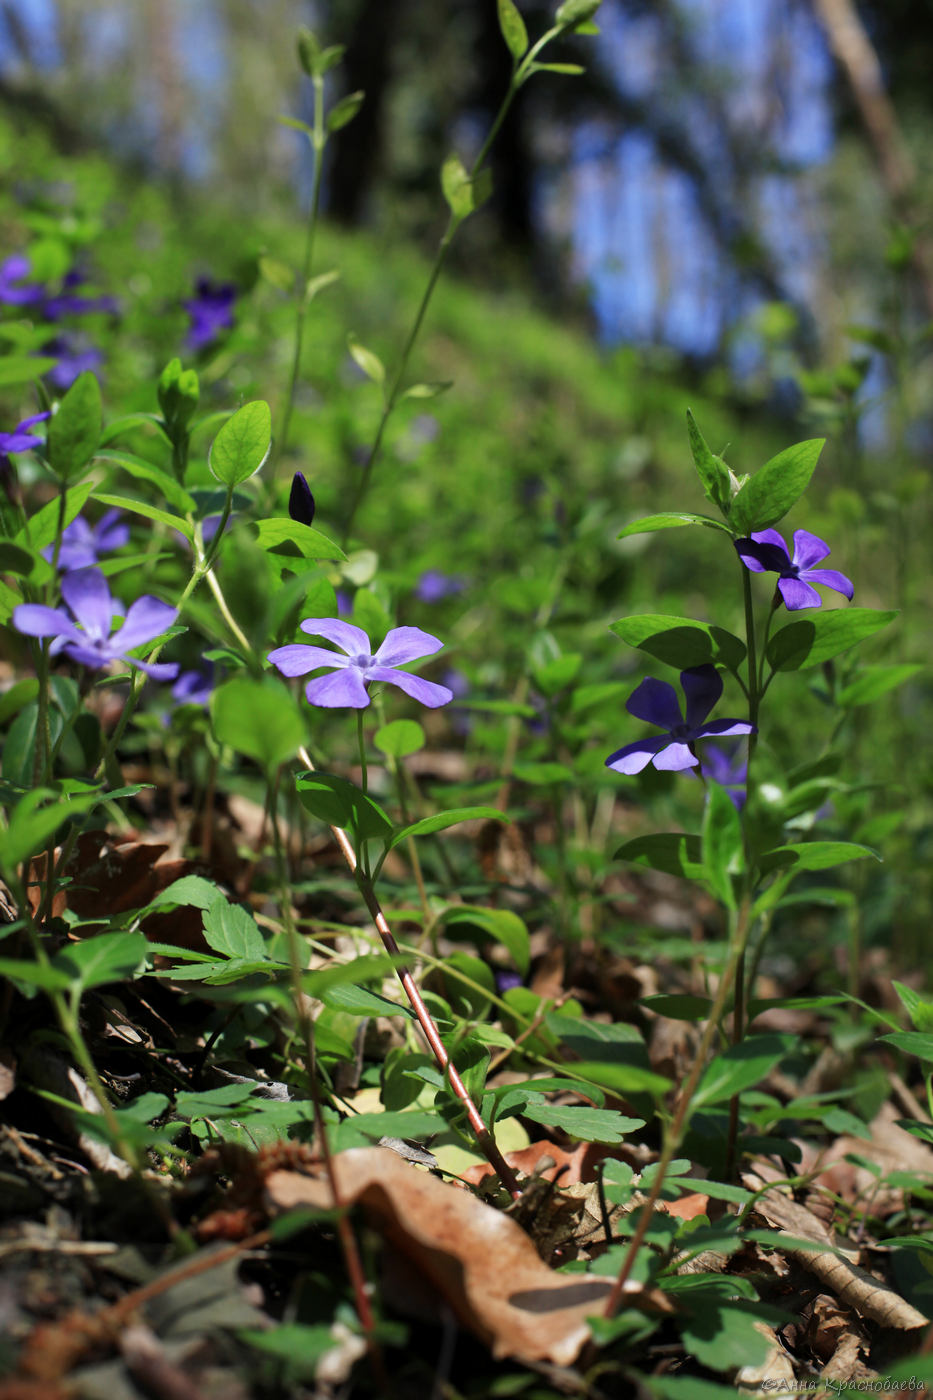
83,632
195,687
13,292
656,702
83,544
68,303
300,500
211,311
727,766
766,552
351,673
433,585
73,359
21,439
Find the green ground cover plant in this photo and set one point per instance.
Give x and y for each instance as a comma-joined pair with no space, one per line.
352,922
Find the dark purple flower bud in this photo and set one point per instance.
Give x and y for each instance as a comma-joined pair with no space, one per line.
766,552
211,311
300,500
656,703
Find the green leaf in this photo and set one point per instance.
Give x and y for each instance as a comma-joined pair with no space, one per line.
43,527
259,718
343,112
340,803
427,391
584,1124
814,855
368,361
813,640
441,820
513,28
543,774
574,12
918,1008
14,559
771,492
722,844
400,738
190,889
873,682
30,824
311,543
570,70
912,1043
621,1078
503,925
23,369
231,930
723,1333
712,471
26,972
679,1006
360,1001
674,852
174,522
296,1346
680,641
18,695
670,520
110,957
74,431
242,445
138,467
739,1068
464,194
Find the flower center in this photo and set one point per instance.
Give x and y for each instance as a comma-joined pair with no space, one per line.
362,661
680,731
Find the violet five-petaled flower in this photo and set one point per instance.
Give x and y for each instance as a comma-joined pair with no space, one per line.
656,702
765,552
14,289
83,632
21,439
729,768
83,544
211,311
351,673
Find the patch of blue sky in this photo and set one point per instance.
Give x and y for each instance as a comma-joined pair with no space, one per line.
38,22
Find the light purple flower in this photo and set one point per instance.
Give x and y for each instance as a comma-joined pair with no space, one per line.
195,687
83,544
728,766
766,552
21,439
83,632
351,673
73,359
211,311
656,702
12,290
433,585
68,303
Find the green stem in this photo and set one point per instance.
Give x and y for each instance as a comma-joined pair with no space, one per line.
361,745
318,142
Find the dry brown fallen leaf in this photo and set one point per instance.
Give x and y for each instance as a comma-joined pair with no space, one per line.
774,1374
855,1287
481,1261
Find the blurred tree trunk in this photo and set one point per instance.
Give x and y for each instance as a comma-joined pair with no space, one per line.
359,149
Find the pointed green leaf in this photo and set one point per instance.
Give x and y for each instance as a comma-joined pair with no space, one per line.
814,855
340,803
138,467
771,492
712,470
343,112
43,527
574,12
463,193
242,445
231,930
513,28
369,363
670,520
740,1067
674,852
819,637
110,957
912,1043
873,682
74,431
503,925
722,844
441,820
175,522
680,641
311,543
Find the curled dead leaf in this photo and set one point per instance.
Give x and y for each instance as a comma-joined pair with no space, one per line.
481,1261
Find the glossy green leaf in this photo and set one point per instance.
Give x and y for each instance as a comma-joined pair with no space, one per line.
74,431
812,640
513,28
110,957
174,522
712,471
43,527
310,543
232,930
680,641
770,493
722,844
670,520
502,925
814,855
739,1068
242,445
138,467
360,1001
258,718
674,852
340,803
441,820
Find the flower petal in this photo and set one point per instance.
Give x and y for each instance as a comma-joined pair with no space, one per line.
725,727
655,702
763,552
632,758
158,670
797,594
808,549
674,758
425,692
406,644
36,620
87,595
339,689
88,654
352,640
147,618
297,659
702,688
829,578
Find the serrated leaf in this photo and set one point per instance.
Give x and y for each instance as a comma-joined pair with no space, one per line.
360,1001
680,641
670,520
231,930
584,1124
368,361
811,641
441,820
242,445
770,493
513,28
